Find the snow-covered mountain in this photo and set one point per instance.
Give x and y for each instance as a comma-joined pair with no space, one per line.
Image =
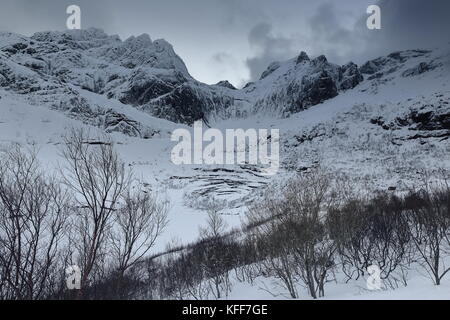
384,120
138,71
381,122
150,76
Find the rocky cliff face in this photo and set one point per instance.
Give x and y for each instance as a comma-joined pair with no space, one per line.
300,83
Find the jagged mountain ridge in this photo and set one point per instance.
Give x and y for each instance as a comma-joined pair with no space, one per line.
138,71
384,120
150,76
57,68
297,84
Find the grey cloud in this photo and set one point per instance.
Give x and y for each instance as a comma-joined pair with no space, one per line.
254,32
325,33
328,34
226,66
223,57
270,48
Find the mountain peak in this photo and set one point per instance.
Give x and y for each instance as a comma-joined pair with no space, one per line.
320,60
142,40
302,57
226,84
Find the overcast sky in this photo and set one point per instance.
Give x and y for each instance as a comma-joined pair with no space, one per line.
237,39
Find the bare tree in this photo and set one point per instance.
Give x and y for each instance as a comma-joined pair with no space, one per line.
33,213
215,262
137,225
98,179
275,258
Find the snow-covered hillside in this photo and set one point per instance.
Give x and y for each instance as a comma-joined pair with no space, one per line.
383,121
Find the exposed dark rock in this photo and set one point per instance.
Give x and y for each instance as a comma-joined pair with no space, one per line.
380,122
442,134
319,61
58,64
370,67
386,65
226,84
316,132
308,84
317,89
248,85
181,105
272,67
117,122
427,121
139,94
350,76
303,57
419,69
20,46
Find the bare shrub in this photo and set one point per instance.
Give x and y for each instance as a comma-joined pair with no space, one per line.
371,232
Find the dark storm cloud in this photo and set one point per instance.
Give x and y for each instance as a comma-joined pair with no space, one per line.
408,24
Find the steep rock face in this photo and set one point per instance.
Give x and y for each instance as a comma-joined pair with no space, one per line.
316,89
226,84
189,102
302,57
142,86
350,76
